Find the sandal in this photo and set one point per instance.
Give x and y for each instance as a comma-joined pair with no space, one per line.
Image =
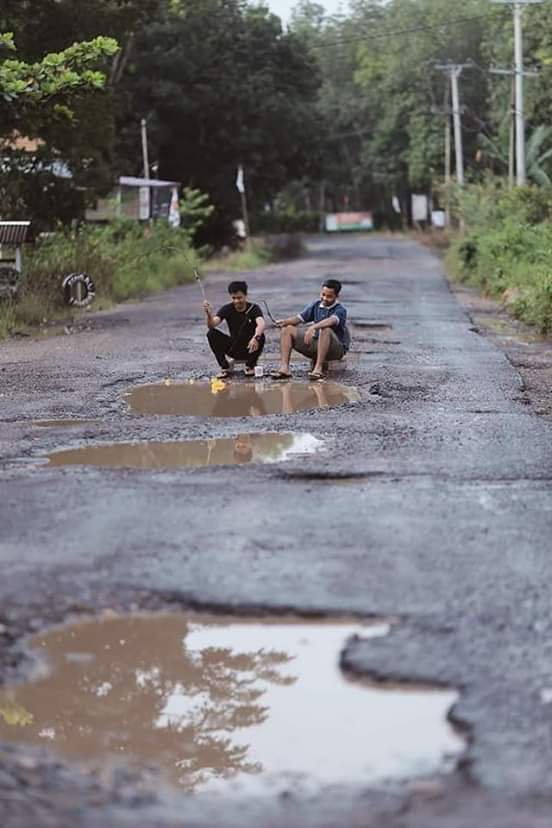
280,375
249,372
224,374
316,375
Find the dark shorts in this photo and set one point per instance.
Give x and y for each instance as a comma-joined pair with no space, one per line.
335,351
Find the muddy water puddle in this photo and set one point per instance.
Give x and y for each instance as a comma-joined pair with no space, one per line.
237,399
225,704
217,451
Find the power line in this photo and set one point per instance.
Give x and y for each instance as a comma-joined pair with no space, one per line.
458,21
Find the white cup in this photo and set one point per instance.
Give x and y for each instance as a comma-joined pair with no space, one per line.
259,371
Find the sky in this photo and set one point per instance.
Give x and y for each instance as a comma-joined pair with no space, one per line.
283,7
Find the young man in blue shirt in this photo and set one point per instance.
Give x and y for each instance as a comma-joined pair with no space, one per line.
325,338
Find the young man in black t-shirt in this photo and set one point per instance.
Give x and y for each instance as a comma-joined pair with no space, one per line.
246,325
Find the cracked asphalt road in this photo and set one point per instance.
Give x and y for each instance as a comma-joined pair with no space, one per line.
431,502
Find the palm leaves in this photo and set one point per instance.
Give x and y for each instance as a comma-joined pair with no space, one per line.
535,153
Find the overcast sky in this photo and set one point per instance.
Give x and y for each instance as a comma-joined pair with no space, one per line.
283,7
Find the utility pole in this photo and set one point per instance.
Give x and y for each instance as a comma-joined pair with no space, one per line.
145,156
518,71
145,160
454,70
446,111
517,135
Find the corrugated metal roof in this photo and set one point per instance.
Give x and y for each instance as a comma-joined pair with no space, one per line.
15,232
131,181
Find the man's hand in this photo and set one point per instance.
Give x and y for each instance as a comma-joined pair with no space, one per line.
207,308
280,323
309,334
253,346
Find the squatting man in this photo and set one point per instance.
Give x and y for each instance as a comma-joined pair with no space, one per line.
246,325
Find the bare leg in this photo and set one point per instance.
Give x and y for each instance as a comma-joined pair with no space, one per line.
287,338
324,340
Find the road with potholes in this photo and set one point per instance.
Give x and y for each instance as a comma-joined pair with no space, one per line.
430,503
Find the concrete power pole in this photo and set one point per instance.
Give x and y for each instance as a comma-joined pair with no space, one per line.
517,130
454,70
518,71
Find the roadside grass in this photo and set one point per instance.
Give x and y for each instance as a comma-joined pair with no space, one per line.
260,252
506,249
125,260
7,319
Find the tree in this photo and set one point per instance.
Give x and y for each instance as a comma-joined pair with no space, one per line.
221,85
36,99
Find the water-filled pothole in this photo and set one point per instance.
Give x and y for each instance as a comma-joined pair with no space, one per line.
218,701
237,399
217,451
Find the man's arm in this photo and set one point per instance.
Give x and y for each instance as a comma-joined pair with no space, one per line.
259,331
210,318
261,326
330,322
293,320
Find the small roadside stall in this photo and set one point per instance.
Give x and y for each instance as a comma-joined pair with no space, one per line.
13,236
140,199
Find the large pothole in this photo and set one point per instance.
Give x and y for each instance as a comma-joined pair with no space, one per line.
216,451
237,399
224,704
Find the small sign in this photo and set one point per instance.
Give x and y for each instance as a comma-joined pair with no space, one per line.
79,290
420,207
336,222
144,206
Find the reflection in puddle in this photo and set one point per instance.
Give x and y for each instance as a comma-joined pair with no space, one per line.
217,451
61,423
214,700
235,399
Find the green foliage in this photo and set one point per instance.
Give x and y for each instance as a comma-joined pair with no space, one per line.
222,85
507,249
288,221
125,260
195,210
25,85
260,252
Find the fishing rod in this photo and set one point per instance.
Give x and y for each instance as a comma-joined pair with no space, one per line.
200,283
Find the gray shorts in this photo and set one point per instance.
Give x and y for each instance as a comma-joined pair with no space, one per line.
335,351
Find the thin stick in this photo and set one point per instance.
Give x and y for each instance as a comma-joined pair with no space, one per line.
200,283
268,311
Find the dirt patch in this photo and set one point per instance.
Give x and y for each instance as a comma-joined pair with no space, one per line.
528,352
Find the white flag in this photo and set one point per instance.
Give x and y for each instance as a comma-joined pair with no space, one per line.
239,180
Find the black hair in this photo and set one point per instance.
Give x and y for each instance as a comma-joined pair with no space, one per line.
333,284
237,287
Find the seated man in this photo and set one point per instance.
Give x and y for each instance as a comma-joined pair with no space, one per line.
326,337
246,325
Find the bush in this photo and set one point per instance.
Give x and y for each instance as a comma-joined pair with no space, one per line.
288,221
125,259
506,249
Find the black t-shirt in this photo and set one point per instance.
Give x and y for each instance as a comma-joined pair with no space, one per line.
241,325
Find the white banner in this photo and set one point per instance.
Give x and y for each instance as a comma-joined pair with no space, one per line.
240,184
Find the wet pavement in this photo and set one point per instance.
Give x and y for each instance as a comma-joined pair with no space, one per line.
444,523
223,705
